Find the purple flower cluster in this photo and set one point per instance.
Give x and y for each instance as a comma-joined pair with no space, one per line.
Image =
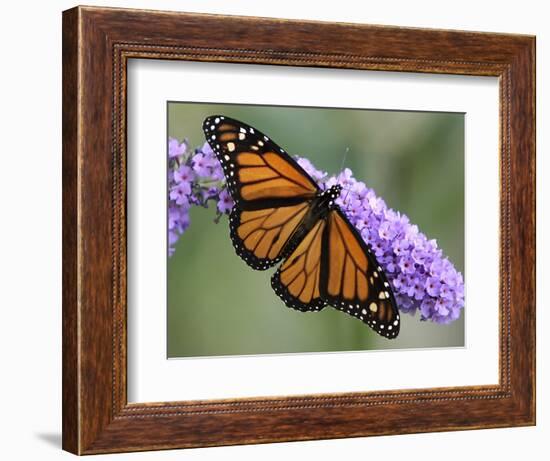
194,178
422,278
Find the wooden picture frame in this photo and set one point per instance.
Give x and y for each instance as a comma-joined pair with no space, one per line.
97,43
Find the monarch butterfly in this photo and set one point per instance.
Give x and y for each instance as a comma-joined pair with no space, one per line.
281,214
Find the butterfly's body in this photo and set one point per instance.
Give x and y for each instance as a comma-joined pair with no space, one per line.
319,208
323,203
281,214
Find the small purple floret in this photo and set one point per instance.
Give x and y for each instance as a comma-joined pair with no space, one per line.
194,178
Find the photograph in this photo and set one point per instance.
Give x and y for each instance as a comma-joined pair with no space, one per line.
313,229
285,227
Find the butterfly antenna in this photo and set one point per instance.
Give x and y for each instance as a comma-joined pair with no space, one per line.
341,170
344,159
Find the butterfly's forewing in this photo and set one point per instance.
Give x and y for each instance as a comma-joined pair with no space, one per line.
259,173
297,281
272,193
351,279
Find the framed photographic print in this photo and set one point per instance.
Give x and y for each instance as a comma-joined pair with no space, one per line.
280,230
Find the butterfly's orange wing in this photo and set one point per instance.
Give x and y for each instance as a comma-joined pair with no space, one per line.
297,281
260,237
272,193
256,168
351,279
332,265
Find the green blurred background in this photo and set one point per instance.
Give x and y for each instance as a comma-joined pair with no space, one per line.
217,305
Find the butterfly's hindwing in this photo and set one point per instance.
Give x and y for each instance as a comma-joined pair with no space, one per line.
297,280
352,281
261,237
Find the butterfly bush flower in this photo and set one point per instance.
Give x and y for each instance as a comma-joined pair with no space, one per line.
195,177
423,279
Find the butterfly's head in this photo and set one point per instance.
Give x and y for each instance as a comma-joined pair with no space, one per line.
334,191
330,195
